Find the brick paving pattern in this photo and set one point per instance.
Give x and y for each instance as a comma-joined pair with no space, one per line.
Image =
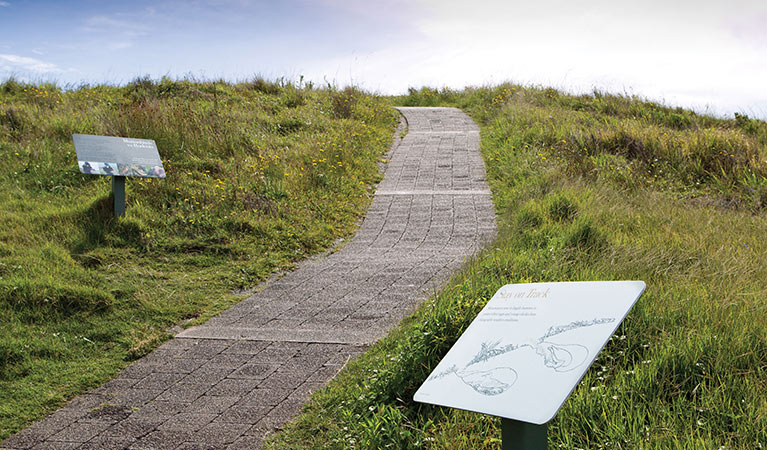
247,371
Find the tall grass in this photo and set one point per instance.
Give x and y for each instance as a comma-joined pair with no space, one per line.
627,140
259,174
686,369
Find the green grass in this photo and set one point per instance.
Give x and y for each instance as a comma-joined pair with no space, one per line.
259,175
594,187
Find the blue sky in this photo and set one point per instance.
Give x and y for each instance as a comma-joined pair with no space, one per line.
709,55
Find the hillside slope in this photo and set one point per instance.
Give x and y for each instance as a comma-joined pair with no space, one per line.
259,175
594,187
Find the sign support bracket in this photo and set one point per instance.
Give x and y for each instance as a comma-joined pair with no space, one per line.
118,193
517,435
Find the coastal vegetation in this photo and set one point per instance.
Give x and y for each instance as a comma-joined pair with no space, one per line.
260,174
593,187
263,173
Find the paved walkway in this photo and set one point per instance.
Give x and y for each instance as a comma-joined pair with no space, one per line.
244,373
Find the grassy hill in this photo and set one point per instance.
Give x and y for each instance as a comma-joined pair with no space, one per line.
594,187
259,174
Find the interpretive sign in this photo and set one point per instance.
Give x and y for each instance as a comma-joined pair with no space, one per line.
529,347
117,156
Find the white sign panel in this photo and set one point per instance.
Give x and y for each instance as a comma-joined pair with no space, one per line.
529,347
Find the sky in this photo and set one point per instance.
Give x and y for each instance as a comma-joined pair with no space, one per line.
709,55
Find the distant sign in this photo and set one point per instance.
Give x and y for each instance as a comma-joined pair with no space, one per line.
117,156
529,347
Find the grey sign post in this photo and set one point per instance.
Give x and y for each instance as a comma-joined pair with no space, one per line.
526,351
119,158
118,194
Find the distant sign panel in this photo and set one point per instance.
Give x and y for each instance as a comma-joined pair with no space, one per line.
117,156
529,347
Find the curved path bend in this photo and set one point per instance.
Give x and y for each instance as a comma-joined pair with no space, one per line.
245,372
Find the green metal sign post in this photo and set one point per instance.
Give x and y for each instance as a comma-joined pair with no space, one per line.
118,193
516,435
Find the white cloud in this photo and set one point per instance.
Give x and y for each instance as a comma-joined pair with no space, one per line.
672,51
120,45
4,4
110,25
118,33
12,63
750,29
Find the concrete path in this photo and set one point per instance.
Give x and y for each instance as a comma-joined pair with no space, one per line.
244,373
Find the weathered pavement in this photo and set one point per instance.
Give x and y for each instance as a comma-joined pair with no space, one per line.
244,373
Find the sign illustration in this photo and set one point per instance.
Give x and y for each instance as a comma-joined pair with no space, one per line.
557,357
529,347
